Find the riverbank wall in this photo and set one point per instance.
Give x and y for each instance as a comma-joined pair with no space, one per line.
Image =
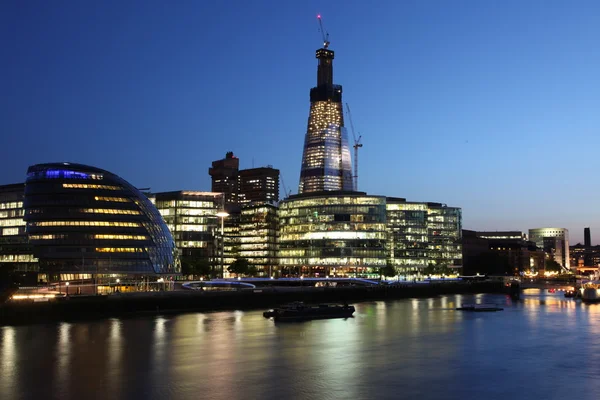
134,304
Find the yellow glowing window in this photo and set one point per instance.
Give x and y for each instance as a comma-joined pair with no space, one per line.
87,223
89,186
121,237
119,250
45,237
109,211
113,199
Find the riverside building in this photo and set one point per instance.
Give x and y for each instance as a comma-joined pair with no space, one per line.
331,229
258,237
422,234
16,255
554,241
191,216
332,234
84,222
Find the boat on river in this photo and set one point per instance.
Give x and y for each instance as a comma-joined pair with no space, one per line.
298,311
591,292
479,307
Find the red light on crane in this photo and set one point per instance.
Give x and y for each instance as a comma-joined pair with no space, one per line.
319,16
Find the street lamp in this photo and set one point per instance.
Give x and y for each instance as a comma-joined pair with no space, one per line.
67,284
222,215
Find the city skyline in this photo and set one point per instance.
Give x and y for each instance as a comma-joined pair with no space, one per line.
504,95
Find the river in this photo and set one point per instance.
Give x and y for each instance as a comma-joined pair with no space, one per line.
542,347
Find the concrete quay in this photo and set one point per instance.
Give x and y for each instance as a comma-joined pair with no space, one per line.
149,303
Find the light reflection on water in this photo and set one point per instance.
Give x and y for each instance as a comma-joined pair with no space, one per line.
543,346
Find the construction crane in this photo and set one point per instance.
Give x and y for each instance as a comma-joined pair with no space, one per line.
323,33
357,145
286,194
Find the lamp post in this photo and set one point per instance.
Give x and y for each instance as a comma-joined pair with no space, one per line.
67,285
222,215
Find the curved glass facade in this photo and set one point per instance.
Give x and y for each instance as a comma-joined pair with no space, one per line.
332,233
84,220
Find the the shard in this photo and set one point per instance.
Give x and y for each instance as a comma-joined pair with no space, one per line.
326,161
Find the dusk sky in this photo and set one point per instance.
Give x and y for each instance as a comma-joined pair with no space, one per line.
491,106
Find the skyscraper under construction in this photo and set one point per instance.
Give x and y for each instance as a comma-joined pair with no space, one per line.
326,161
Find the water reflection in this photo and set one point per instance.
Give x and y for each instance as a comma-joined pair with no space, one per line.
413,348
7,361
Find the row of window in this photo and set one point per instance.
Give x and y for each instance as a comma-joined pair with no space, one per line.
89,186
86,223
121,237
119,250
10,231
17,258
113,199
109,211
12,222
46,237
12,204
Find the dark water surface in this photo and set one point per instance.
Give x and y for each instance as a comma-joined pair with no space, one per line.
543,347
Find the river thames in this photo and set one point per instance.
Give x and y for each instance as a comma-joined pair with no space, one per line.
542,347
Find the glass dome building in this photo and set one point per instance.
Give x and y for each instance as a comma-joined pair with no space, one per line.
84,220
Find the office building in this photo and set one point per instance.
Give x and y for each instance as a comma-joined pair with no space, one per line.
555,242
232,239
244,186
332,234
192,219
225,177
258,185
85,222
444,229
326,164
16,255
520,254
423,234
258,237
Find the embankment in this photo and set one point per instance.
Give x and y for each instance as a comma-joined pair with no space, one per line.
132,304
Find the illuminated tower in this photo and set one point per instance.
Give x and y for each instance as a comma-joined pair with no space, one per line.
326,158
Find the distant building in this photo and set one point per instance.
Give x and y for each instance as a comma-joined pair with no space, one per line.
554,241
225,177
16,255
84,222
244,186
587,237
522,255
507,253
473,247
502,235
258,185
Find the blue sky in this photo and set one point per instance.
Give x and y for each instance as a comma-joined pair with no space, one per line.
491,106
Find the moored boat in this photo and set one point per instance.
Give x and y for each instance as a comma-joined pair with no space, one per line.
479,307
299,311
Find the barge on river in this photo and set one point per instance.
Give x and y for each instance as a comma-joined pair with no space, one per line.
299,311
